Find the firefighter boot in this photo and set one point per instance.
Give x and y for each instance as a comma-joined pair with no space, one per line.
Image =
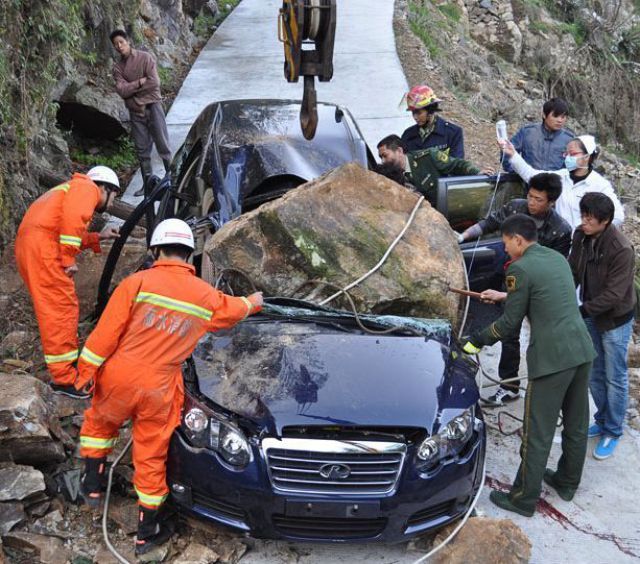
152,532
92,481
147,172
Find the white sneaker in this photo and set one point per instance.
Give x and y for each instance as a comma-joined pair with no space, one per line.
502,396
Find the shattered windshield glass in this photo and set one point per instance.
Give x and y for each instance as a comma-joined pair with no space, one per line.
288,354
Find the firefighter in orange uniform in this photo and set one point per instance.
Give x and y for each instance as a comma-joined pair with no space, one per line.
52,233
151,324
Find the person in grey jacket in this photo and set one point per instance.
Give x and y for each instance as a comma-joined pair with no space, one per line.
542,145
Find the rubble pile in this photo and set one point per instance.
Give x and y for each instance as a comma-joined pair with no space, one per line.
41,517
335,229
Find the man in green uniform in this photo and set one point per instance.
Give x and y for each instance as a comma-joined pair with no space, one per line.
540,287
423,168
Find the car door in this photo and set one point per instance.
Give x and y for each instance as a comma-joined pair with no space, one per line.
465,200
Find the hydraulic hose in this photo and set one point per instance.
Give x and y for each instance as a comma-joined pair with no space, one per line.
382,260
105,510
127,227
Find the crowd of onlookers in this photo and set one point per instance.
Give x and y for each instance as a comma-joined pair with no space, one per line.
576,212
570,211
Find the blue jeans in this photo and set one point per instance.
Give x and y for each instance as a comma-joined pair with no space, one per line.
609,382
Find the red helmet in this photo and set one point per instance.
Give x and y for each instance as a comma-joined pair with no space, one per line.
420,97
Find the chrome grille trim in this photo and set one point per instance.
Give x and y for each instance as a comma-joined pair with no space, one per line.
294,465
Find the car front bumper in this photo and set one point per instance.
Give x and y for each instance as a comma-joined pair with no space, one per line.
202,484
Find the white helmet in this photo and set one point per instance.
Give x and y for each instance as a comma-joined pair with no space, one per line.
104,174
172,232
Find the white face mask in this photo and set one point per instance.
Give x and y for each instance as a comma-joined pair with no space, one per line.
571,163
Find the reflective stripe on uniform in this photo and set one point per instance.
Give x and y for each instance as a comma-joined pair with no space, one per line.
175,305
61,187
152,500
91,357
249,306
66,357
71,240
96,442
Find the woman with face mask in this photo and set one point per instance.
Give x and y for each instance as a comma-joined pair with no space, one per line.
578,177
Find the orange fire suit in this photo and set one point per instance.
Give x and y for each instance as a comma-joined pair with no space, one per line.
151,324
52,233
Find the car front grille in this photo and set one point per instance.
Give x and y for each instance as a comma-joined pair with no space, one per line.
331,466
323,528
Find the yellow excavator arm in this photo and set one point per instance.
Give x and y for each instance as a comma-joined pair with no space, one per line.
307,29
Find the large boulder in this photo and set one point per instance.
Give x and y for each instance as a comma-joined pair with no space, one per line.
335,229
25,417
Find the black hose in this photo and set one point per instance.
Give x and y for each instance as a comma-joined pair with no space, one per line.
118,244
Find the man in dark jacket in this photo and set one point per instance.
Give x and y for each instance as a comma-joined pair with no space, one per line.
553,232
603,261
540,287
423,168
543,145
431,130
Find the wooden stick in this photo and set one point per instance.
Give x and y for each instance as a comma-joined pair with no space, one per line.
474,295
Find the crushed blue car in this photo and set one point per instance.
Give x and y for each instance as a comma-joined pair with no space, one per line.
299,424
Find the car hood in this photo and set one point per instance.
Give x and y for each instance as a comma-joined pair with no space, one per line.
282,374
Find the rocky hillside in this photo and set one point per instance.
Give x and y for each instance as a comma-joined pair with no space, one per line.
57,102
502,58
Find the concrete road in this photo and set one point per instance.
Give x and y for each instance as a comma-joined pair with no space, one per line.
244,59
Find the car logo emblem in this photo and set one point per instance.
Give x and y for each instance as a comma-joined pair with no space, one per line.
335,471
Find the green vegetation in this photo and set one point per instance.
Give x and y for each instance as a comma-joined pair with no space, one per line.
540,27
90,57
227,8
451,11
168,79
431,22
422,24
203,25
39,36
121,156
577,30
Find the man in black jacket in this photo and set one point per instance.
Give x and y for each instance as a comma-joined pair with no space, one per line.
603,262
553,232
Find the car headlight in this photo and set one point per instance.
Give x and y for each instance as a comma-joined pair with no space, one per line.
195,424
449,441
205,429
230,442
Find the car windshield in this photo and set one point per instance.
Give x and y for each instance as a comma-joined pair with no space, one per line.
292,310
292,347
